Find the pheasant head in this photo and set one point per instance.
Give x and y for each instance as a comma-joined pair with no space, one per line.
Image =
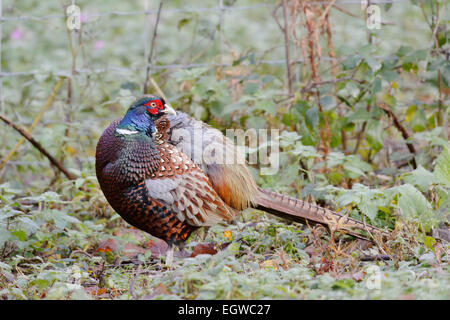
141,116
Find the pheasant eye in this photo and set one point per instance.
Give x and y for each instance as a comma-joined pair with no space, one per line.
153,104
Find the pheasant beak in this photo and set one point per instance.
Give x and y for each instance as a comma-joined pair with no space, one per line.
168,109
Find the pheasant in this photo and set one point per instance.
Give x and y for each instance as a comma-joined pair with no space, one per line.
163,181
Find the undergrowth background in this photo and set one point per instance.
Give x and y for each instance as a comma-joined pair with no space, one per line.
363,115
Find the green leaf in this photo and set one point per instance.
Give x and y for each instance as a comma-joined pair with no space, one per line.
5,266
442,169
130,86
304,151
416,56
352,89
302,106
369,207
216,109
367,50
251,88
255,122
419,120
429,242
347,198
410,113
388,75
374,64
312,117
411,201
267,106
433,137
5,235
288,138
61,218
376,85
360,115
231,108
188,74
335,177
182,23
343,284
48,196
420,177
445,72
328,102
404,50
389,100
374,134
352,61
353,172
20,234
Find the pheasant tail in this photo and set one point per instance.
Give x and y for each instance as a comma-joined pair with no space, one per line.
301,211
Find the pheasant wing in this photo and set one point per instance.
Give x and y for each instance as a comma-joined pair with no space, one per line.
186,189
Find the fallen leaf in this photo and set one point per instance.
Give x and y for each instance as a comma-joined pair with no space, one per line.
107,246
159,290
71,150
283,258
269,264
96,291
358,276
131,250
228,234
157,247
131,231
204,248
310,250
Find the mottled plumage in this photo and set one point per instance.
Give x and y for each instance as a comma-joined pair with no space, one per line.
165,174
152,184
123,165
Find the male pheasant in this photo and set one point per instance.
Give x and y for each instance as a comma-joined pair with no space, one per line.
158,169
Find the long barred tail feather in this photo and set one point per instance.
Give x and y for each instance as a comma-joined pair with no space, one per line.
301,211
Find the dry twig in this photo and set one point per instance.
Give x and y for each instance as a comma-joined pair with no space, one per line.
36,120
285,31
402,130
38,146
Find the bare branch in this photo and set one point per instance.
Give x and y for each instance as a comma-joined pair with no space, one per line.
312,85
402,130
38,146
285,31
383,23
35,122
